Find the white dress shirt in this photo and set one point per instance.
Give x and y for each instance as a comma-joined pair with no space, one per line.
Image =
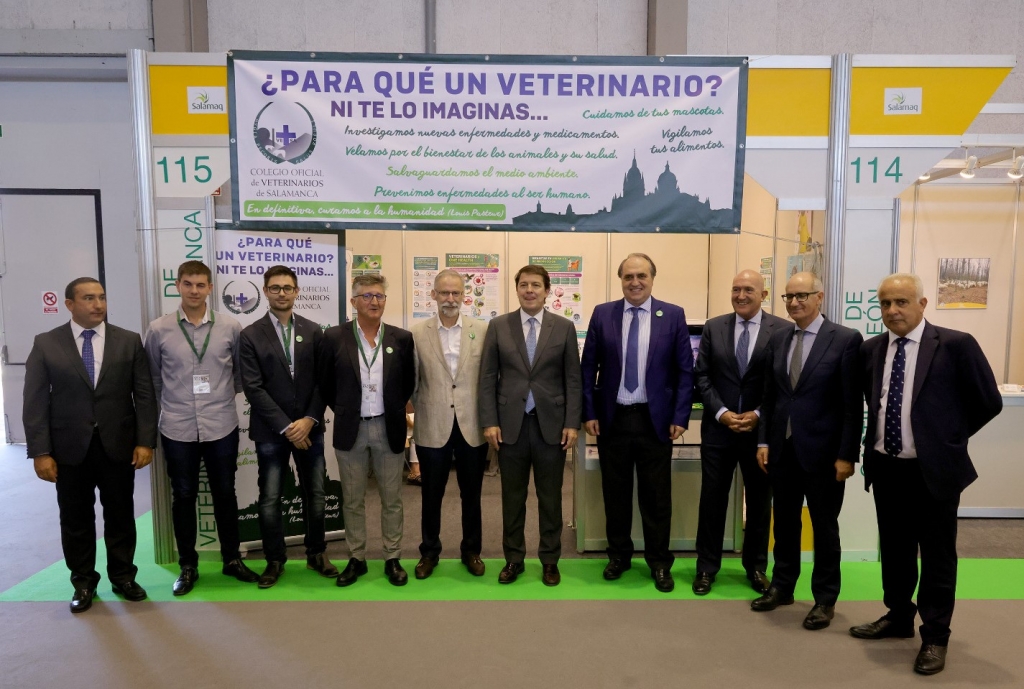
810,333
98,341
638,396
752,331
451,342
526,322
910,349
372,377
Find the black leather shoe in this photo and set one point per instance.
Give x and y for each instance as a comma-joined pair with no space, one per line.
510,572
663,580
615,567
270,575
321,565
883,628
772,599
931,660
395,572
551,576
702,583
353,570
185,581
237,569
474,564
758,581
82,600
425,567
819,617
129,590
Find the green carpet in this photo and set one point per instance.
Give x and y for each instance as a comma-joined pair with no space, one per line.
581,580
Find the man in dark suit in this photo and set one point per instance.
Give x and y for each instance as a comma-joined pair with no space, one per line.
928,390
277,355
530,413
730,373
811,421
367,375
637,398
90,422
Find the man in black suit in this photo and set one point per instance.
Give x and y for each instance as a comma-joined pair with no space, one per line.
367,375
928,390
530,406
811,421
90,422
730,373
277,354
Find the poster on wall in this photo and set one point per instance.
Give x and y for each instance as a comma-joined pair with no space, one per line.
767,264
566,296
241,258
481,275
803,263
364,264
424,270
963,283
530,143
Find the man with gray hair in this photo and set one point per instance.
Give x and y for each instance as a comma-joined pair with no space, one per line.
447,430
367,375
928,390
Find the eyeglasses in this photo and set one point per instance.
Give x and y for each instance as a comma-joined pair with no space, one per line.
800,297
370,296
450,295
285,289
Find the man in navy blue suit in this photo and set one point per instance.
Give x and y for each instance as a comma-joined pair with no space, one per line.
811,420
637,391
928,390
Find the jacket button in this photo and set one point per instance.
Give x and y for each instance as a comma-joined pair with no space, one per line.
453,387
453,406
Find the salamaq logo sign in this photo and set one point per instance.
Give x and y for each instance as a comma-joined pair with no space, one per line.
207,100
905,101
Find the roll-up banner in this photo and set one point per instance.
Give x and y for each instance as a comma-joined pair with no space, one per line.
553,143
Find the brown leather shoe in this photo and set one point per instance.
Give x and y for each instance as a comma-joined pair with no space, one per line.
551,576
474,564
510,572
319,563
425,567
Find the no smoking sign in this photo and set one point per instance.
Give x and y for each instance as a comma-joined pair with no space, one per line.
50,302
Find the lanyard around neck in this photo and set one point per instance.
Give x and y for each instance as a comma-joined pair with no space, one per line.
192,345
359,343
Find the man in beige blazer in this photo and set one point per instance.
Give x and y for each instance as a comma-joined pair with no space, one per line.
447,429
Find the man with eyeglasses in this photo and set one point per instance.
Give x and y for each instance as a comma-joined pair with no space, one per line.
447,429
278,360
809,442
367,375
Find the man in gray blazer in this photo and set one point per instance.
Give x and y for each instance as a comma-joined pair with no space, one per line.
90,422
730,373
530,408
447,428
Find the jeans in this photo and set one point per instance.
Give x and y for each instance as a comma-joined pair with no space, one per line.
183,462
273,463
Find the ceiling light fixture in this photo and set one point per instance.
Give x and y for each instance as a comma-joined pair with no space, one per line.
971,165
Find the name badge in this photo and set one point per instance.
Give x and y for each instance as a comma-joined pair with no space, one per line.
201,383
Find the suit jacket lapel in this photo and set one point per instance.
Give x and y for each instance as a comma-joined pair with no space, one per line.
822,341
929,343
878,372
353,353
546,326
617,313
304,347
764,333
67,341
109,348
388,341
730,337
783,358
269,330
434,336
465,342
515,325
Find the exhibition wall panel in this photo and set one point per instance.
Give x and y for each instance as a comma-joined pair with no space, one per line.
1015,373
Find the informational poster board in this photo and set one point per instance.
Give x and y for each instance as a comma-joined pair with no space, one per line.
544,143
424,270
566,295
482,279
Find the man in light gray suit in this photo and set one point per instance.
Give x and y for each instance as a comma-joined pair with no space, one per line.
530,407
447,429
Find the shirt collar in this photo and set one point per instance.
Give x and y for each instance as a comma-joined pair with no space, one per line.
755,319
76,330
273,319
915,335
814,326
206,316
526,317
646,306
441,326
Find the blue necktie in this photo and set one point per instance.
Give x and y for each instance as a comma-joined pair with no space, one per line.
741,348
893,440
633,351
531,349
87,355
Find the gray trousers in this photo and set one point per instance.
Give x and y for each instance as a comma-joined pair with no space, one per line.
372,449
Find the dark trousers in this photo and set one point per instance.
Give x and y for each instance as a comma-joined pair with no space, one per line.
631,444
272,459
909,518
435,468
548,464
183,463
717,465
76,499
824,494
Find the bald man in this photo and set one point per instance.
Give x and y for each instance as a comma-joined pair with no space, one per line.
729,373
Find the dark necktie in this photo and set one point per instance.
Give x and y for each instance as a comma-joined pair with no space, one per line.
893,440
796,365
633,351
531,349
87,355
742,345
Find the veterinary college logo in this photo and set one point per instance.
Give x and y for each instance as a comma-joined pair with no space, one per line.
284,132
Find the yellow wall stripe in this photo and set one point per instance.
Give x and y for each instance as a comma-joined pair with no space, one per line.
788,102
168,97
